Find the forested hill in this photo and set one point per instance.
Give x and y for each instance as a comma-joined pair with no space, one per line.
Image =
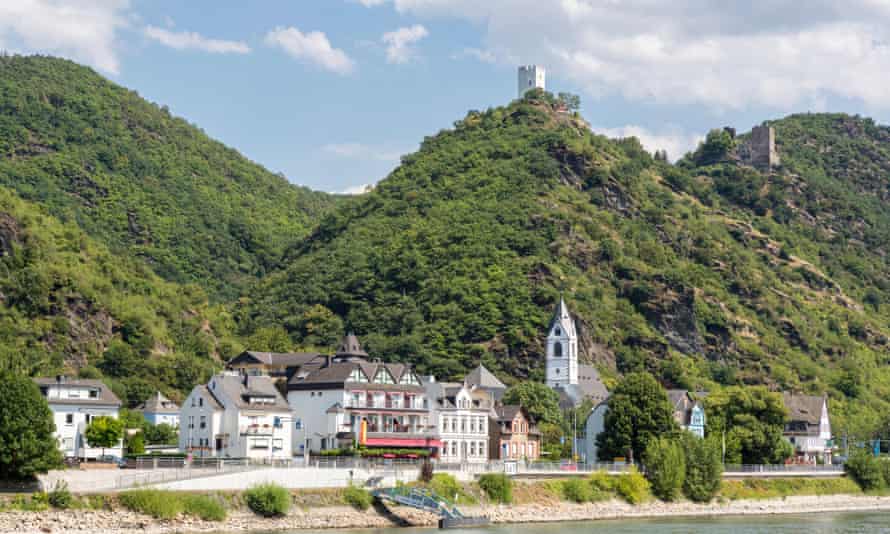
699,272
142,181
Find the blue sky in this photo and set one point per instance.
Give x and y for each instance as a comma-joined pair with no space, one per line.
331,92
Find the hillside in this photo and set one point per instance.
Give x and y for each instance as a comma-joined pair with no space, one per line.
459,255
142,181
67,303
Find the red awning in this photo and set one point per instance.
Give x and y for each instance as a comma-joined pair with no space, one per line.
403,442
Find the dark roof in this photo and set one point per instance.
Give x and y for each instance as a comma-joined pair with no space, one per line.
482,377
106,396
350,347
158,403
805,408
336,375
239,389
590,384
508,412
285,359
211,398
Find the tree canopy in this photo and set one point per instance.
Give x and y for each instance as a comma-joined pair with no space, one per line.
638,412
540,400
27,444
753,419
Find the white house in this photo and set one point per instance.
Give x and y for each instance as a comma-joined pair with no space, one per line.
158,409
593,427
236,416
809,428
461,414
349,401
74,404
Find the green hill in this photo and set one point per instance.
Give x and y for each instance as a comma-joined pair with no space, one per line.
693,273
67,303
142,181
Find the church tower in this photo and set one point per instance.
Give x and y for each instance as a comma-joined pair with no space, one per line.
562,348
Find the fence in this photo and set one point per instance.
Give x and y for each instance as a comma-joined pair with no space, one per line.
790,468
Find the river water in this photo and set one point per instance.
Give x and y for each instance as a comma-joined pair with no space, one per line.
843,523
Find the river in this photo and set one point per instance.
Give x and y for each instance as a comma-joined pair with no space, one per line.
843,523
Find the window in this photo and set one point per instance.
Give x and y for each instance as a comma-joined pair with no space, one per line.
259,444
88,418
453,448
74,394
444,424
94,393
454,424
69,418
311,393
201,401
472,448
298,424
557,350
410,379
277,444
191,421
557,332
319,393
383,377
357,376
203,421
276,422
463,425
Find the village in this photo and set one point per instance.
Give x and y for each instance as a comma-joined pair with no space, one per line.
290,407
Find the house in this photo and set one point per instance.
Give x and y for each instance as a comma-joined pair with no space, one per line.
236,416
688,411
158,409
279,365
512,435
573,381
461,413
808,428
482,378
74,403
593,427
351,401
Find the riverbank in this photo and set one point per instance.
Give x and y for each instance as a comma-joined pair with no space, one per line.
343,517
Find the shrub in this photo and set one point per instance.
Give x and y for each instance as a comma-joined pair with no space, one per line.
602,481
448,488
577,490
704,469
885,470
665,468
156,503
632,487
59,497
866,470
204,507
497,486
268,500
357,497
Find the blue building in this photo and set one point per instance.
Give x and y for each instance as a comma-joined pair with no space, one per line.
159,409
688,411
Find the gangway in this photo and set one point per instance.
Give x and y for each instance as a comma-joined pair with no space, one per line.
428,501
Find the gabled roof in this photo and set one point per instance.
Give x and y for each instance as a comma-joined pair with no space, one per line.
508,412
238,390
336,375
211,399
350,347
158,403
285,359
804,408
482,377
563,317
106,396
590,384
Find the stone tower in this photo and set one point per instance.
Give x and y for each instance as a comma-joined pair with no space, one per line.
530,77
761,151
562,349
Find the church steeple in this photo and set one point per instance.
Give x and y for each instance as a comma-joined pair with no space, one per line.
562,348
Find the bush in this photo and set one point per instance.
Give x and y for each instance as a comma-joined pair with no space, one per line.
204,507
268,500
448,488
602,481
497,486
577,490
156,503
357,497
885,470
704,469
632,487
866,470
665,465
59,497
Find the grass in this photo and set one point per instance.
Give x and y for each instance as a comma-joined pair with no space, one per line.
771,488
357,497
168,505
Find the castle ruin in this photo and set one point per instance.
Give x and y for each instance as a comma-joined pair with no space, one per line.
759,151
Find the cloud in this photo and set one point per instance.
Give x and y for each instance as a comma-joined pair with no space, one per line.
399,43
675,142
371,3
363,151
313,47
83,30
485,56
357,189
693,52
195,41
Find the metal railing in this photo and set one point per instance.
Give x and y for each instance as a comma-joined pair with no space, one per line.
789,468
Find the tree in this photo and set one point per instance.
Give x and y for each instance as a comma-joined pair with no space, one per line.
639,411
753,419
104,432
715,148
27,444
541,402
319,327
272,338
162,434
665,464
136,443
704,467
572,102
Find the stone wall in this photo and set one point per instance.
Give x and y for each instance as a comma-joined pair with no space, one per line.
759,150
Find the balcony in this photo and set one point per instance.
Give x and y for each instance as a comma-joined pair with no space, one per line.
385,405
257,430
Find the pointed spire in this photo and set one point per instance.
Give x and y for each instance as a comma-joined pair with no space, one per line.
350,347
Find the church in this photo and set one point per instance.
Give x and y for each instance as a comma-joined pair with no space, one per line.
573,381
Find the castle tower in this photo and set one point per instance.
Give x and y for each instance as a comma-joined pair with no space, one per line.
763,153
530,77
562,349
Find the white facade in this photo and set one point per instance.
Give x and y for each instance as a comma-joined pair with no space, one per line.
562,349
592,429
530,77
463,427
201,418
74,405
171,419
317,419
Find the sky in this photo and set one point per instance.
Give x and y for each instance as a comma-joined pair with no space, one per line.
332,92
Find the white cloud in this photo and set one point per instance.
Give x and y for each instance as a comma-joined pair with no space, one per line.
371,3
675,142
718,54
313,47
195,41
83,30
363,151
399,43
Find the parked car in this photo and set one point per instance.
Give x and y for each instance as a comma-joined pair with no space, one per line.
111,459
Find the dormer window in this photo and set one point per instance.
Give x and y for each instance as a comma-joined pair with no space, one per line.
557,332
94,393
383,377
409,379
357,376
